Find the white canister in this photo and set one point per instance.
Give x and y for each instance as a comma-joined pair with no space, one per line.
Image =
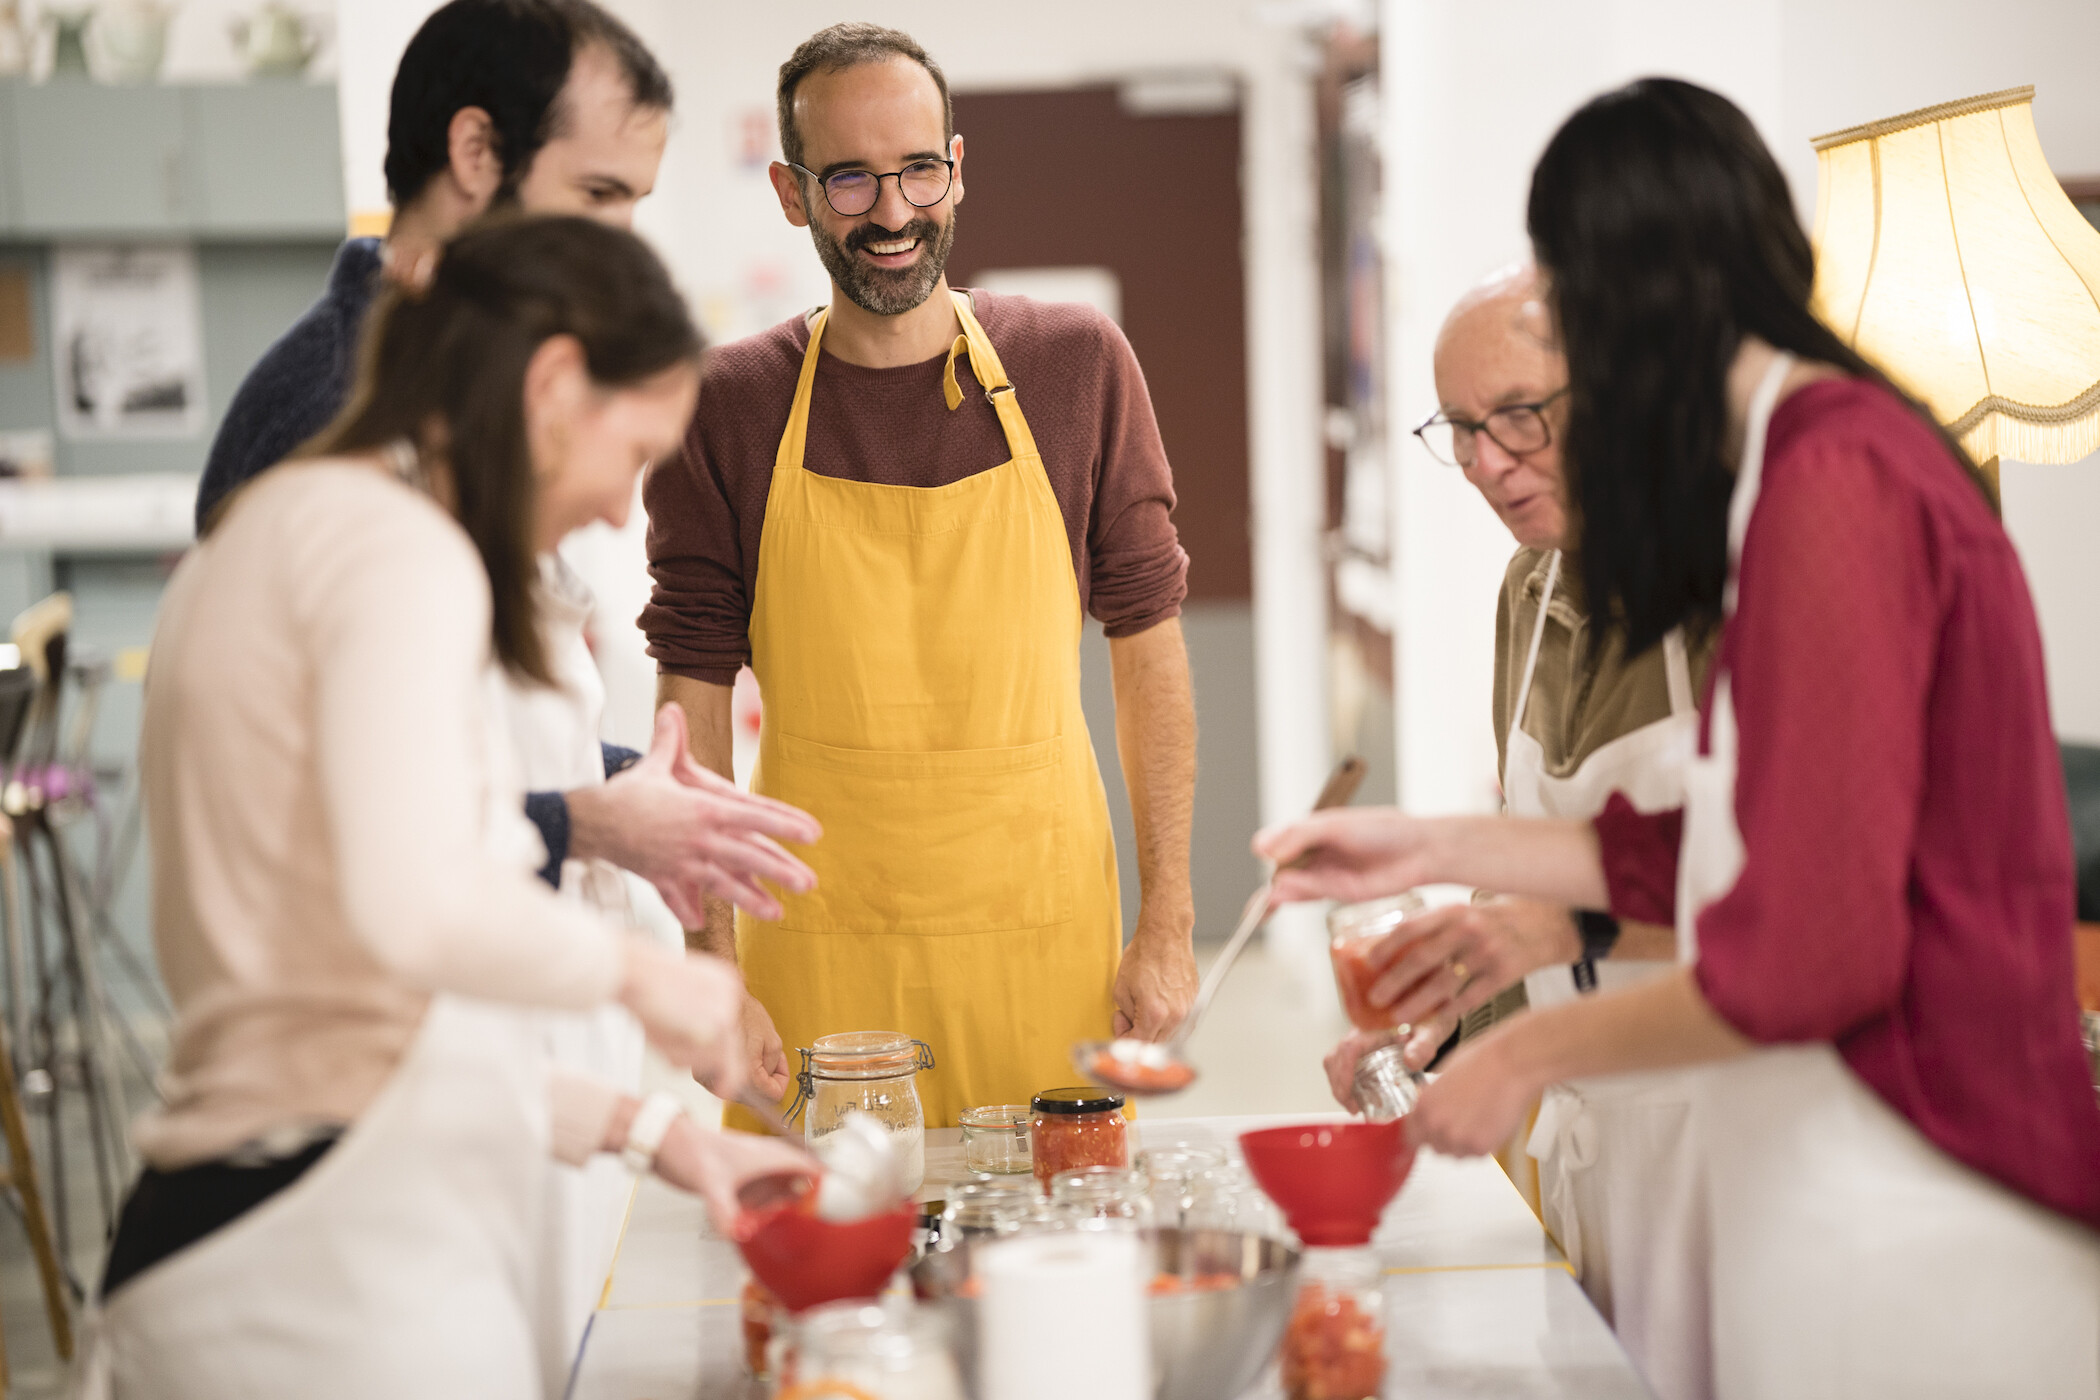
1043,1292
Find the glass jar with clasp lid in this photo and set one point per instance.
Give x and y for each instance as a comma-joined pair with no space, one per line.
876,1072
995,1138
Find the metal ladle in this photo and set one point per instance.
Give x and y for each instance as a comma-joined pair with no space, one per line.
1143,1068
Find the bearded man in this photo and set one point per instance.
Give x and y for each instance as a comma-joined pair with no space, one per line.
865,513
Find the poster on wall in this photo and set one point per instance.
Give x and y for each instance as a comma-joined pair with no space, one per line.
127,341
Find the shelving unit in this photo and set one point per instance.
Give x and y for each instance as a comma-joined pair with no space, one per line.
251,175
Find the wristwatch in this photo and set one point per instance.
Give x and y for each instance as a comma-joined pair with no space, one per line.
646,1133
1599,933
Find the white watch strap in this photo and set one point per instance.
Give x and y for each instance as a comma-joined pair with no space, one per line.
646,1134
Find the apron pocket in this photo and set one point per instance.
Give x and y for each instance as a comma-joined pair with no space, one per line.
954,841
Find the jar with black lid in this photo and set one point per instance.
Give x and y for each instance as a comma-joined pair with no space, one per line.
1077,1127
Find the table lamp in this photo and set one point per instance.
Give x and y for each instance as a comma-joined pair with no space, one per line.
1947,253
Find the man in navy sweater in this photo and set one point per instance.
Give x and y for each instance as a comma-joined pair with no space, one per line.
552,107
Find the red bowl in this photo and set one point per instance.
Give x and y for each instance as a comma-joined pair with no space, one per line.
1331,1180
808,1261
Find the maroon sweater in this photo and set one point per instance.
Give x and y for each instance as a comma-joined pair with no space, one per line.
1906,891
1079,386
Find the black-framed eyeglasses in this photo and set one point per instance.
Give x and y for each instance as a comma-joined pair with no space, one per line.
852,193
1516,428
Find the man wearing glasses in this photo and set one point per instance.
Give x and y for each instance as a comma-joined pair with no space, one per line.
1577,720
898,509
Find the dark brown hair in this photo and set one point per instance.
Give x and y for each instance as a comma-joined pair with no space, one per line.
510,58
848,46
445,370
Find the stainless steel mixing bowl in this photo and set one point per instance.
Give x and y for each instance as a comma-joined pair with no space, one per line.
1206,1345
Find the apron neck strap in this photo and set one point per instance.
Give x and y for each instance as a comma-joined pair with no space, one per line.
1538,634
1749,477
984,363
1677,669
998,389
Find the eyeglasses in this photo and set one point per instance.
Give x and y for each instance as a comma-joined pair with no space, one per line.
852,193
1516,428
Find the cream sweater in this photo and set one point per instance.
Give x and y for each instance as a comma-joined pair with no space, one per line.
335,835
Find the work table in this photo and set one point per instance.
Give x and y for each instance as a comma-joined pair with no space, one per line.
1478,1301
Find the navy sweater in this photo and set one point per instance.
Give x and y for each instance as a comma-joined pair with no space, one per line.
295,390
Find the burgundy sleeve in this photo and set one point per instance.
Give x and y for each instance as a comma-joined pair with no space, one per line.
1138,569
1640,860
1830,656
698,619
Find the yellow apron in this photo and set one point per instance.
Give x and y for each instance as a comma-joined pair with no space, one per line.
918,654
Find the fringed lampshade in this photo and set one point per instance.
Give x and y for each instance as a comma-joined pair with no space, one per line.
1947,252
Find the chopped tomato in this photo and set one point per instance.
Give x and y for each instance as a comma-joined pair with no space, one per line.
1333,1349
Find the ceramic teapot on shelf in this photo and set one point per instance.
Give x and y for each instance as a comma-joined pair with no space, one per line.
128,39
277,41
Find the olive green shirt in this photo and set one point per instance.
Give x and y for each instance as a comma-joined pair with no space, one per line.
1587,692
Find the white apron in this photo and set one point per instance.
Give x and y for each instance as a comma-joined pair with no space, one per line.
1618,1170
555,745
408,1262
402,1264
1851,1257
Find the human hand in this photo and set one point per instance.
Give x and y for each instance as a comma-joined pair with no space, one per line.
1348,854
688,1005
715,1166
1476,1103
1156,980
690,832
764,1061
1341,1063
1440,965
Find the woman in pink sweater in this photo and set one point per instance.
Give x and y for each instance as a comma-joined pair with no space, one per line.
344,1187
1872,875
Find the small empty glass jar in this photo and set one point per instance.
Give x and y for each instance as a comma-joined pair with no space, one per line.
1112,1195
1172,1172
1385,1087
995,1138
985,1216
1226,1198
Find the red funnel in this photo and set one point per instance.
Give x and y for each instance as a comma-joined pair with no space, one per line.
1331,1180
807,1260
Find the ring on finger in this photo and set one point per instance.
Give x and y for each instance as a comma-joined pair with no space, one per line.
1460,971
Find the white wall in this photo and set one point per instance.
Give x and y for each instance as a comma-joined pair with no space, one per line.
1473,93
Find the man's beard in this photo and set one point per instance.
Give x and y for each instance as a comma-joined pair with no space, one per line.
884,291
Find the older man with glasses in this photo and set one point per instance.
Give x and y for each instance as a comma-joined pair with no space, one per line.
1577,719
898,509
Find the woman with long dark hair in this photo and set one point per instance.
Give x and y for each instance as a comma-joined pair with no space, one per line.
1872,875
346,1185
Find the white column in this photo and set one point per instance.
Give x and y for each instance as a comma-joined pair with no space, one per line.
1288,490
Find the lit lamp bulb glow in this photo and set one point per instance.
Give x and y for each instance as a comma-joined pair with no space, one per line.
1947,253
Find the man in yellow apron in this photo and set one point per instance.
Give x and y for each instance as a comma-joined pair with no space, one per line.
905,556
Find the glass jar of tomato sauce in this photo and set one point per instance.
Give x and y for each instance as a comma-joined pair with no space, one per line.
1078,1127
1353,930
1334,1344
